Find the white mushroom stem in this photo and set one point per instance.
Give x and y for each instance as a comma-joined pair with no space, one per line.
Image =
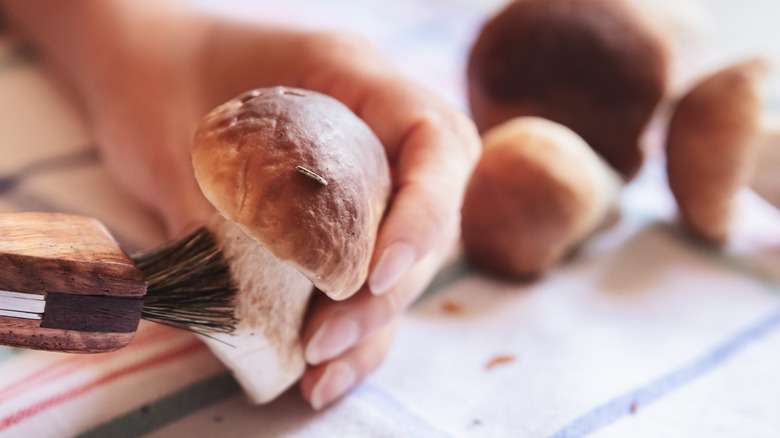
264,353
766,175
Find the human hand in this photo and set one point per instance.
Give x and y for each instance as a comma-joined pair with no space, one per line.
147,98
431,148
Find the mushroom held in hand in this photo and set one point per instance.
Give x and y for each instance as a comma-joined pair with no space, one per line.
536,193
712,146
594,66
301,184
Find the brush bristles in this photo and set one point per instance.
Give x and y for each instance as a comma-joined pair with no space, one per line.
189,285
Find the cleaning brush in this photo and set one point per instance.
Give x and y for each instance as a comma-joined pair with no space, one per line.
66,285
189,285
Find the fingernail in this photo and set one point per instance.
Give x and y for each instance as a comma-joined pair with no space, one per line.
395,261
333,338
337,379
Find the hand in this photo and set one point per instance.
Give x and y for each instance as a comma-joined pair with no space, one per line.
148,89
432,149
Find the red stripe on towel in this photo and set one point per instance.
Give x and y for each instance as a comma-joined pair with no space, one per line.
43,405
76,362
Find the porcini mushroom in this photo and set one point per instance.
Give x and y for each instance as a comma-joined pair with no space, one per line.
713,145
300,184
595,66
536,193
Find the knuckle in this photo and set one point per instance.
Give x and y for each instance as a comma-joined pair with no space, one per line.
428,202
393,303
466,131
437,213
451,119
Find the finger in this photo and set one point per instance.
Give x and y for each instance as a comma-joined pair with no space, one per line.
323,384
433,167
333,327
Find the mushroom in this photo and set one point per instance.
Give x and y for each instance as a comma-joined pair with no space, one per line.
536,193
713,147
300,184
595,66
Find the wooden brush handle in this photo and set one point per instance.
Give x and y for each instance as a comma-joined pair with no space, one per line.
93,291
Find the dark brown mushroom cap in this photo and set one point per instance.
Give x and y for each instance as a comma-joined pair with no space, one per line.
302,175
711,146
594,66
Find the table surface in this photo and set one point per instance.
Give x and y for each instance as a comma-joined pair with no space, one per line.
642,333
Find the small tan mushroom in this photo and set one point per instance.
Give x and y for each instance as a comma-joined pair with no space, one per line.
713,145
536,193
595,66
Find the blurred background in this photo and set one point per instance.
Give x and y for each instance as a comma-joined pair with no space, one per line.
705,33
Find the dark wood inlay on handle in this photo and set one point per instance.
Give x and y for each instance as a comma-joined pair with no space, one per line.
84,313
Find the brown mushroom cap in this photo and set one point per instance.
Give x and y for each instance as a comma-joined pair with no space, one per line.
537,191
594,66
710,146
301,174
